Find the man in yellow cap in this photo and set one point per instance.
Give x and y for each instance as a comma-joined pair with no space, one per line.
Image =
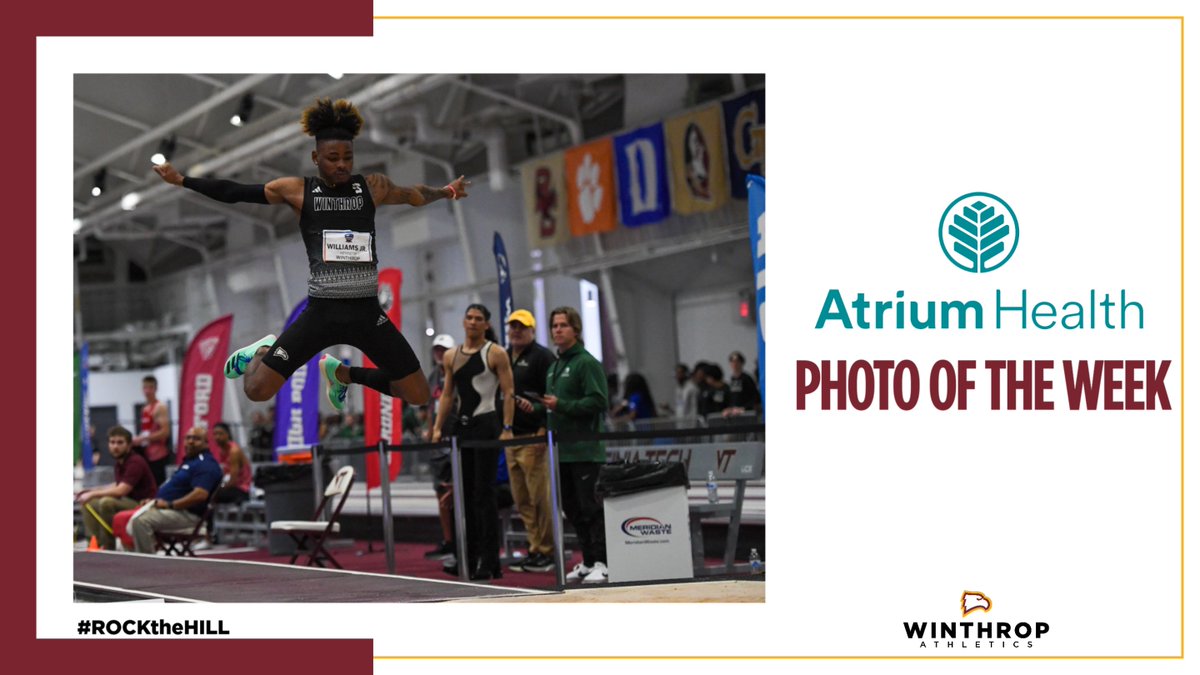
528,470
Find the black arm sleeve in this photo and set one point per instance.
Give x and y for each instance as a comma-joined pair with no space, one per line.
227,191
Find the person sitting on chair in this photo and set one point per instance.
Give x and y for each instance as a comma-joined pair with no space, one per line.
183,499
133,483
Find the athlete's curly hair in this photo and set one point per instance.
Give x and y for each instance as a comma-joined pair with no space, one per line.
332,120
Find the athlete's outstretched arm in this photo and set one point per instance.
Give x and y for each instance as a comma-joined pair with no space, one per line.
384,191
278,191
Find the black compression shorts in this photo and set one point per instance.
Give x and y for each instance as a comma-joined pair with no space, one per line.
358,322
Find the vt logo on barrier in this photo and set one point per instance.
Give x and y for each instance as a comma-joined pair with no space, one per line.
978,232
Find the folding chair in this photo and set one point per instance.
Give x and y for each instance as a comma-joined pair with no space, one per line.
310,535
179,541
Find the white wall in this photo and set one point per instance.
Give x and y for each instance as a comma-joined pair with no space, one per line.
708,329
124,390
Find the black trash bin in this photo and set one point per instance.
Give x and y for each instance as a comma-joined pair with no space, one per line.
625,478
288,493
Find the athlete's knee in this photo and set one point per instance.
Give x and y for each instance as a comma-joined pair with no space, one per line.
414,392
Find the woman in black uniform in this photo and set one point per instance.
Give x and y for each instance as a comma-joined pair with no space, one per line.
337,221
474,371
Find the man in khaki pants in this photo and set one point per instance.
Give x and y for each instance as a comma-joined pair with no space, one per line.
528,470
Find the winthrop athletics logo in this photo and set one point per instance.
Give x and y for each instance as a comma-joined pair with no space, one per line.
972,601
963,635
978,232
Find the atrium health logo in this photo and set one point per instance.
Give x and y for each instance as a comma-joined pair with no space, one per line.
978,232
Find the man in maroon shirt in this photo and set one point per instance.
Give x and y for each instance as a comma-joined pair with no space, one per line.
133,483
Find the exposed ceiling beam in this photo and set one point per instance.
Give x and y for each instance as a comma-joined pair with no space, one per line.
155,134
130,122
269,144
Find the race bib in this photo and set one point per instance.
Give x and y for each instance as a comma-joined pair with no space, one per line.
346,246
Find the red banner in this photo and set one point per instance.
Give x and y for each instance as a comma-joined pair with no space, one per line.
383,415
202,384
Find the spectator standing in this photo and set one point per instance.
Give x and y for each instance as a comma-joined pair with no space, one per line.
714,398
743,390
577,400
132,483
155,428
439,463
528,470
686,393
474,371
637,402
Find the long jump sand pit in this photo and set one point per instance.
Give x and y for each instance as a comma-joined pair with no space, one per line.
699,591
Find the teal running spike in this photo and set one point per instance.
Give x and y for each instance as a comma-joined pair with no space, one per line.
335,391
236,364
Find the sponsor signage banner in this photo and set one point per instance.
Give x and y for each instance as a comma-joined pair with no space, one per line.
745,138
83,437
757,187
641,158
504,282
545,193
202,382
591,203
382,414
297,405
696,147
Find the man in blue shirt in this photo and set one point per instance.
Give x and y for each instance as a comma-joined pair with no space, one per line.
182,500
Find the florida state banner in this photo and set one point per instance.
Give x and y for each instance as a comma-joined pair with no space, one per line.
591,203
696,149
383,415
545,194
746,138
202,383
641,157
297,405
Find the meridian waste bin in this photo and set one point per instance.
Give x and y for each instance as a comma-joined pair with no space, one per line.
646,520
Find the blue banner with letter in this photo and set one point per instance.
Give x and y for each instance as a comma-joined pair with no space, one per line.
642,177
297,413
505,283
756,188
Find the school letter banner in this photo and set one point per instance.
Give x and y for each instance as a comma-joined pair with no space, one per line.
545,194
590,188
642,176
745,138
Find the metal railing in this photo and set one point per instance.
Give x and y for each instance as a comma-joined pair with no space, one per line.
457,447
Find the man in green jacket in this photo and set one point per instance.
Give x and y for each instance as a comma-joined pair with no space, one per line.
577,399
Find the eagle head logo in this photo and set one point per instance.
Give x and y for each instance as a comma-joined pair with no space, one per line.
972,601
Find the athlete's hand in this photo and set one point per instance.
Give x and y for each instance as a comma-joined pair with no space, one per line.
168,173
506,435
459,185
435,436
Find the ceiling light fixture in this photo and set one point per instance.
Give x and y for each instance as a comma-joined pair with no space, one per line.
244,109
166,150
98,182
